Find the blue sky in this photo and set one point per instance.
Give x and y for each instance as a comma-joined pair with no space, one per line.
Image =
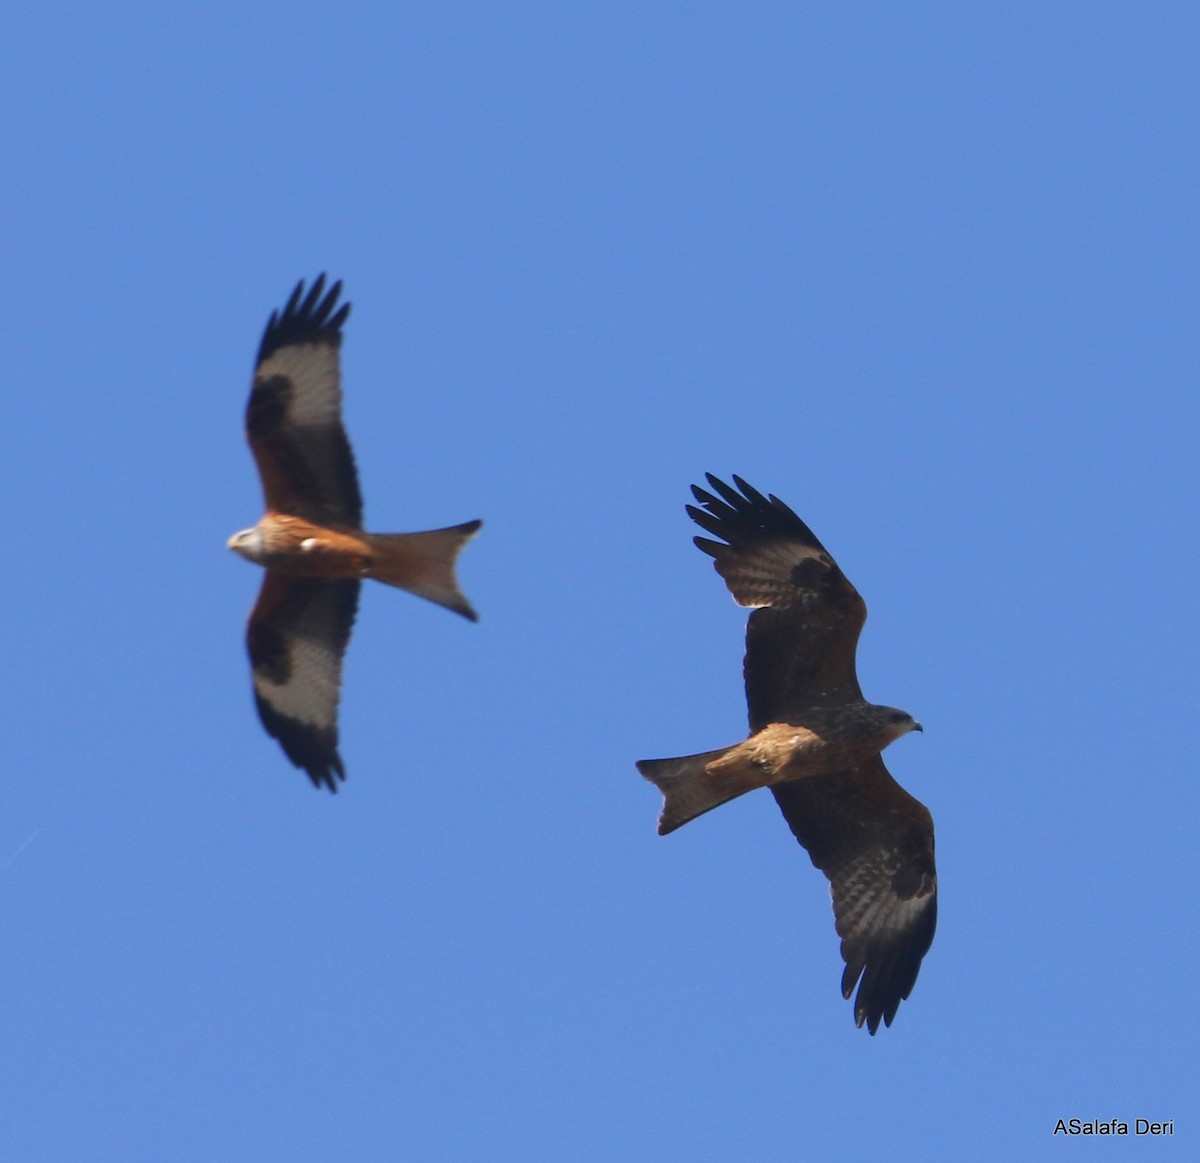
928,272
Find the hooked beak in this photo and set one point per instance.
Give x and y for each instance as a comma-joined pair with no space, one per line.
917,727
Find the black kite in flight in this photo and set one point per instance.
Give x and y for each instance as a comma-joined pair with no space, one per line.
816,743
311,540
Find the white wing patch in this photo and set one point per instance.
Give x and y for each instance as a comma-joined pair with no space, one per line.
759,577
870,908
313,370
311,692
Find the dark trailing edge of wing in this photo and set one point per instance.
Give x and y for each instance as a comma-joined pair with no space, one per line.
875,844
316,609
887,978
312,749
801,638
319,468
746,517
315,468
305,319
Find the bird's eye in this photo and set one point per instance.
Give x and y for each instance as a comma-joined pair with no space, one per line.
897,717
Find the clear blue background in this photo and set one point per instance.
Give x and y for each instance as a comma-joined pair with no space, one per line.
929,272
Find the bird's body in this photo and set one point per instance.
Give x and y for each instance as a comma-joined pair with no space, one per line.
296,546
816,742
821,741
419,562
311,541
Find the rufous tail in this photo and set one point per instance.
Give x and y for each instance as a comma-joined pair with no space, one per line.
694,784
423,563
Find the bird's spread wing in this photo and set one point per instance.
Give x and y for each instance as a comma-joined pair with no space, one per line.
875,844
801,641
297,635
294,418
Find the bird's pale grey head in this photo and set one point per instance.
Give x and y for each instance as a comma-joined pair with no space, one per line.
248,544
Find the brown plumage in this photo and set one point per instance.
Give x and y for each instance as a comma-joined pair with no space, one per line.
816,743
311,540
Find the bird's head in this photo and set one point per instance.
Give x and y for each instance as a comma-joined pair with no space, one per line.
248,544
895,722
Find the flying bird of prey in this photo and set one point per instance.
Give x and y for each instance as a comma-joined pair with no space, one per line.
311,539
816,743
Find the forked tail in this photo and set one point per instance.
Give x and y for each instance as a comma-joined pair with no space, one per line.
423,563
694,784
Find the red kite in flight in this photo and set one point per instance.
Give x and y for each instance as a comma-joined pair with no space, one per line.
311,540
816,743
